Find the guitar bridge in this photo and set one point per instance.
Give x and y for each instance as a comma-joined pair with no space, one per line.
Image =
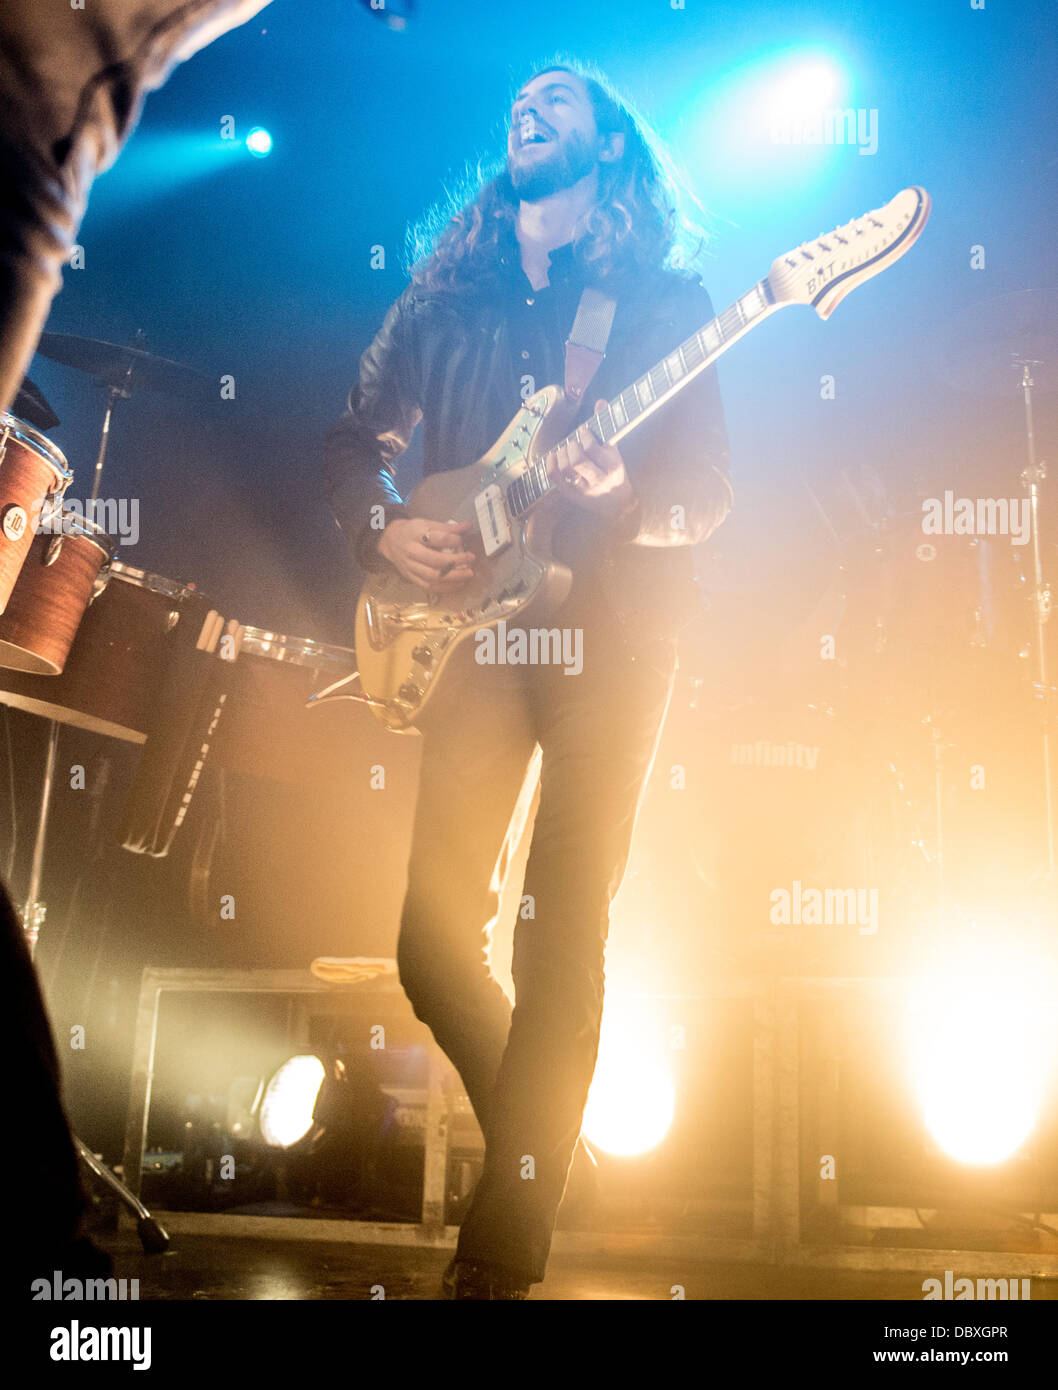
386,620
375,618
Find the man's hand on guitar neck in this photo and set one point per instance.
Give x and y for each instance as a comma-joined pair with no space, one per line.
595,477
429,553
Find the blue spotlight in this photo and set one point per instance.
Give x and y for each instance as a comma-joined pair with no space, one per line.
259,142
768,128
802,88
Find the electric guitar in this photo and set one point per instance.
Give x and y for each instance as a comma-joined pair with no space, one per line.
405,636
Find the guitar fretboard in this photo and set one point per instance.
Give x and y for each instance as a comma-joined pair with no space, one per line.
621,415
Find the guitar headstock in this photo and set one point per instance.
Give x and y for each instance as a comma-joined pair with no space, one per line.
823,271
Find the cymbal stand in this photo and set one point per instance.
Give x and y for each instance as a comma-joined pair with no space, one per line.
937,741
114,394
153,1236
1032,475
33,912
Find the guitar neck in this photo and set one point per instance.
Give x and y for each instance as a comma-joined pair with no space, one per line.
669,376
653,389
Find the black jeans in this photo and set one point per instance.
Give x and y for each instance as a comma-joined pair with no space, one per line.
593,736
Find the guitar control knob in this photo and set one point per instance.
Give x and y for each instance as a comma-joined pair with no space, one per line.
409,692
423,655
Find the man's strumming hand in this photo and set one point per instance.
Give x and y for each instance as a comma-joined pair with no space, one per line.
429,553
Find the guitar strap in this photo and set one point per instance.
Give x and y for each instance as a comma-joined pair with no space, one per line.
586,344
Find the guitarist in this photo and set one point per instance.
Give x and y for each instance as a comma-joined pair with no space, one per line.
584,199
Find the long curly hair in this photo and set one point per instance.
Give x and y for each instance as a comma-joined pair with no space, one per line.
641,224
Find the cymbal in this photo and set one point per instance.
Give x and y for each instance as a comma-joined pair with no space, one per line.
30,405
978,351
124,368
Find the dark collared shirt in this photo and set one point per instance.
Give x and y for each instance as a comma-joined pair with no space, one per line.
461,364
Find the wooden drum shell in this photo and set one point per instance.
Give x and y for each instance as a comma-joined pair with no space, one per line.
49,600
31,468
117,667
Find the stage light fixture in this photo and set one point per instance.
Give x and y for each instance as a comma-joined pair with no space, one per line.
980,1052
259,142
760,130
805,88
290,1097
631,1102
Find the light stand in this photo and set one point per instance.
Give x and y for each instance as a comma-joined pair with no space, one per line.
153,1236
1032,475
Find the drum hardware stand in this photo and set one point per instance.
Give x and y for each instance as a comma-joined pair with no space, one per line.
34,910
934,860
1032,475
919,841
937,740
153,1237
114,394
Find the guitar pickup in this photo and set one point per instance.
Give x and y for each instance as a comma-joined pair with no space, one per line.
492,519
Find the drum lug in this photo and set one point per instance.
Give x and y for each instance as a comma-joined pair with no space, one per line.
53,549
99,583
172,620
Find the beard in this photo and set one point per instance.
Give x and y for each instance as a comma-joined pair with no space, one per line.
564,165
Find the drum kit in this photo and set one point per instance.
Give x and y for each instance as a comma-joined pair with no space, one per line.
94,643
91,642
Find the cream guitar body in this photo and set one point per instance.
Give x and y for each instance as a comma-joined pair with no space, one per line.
405,636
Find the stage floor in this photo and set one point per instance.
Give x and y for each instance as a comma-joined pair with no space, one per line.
222,1268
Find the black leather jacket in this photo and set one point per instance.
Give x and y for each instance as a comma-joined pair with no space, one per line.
459,363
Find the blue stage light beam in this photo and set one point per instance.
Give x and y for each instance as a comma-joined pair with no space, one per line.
159,164
766,129
259,142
